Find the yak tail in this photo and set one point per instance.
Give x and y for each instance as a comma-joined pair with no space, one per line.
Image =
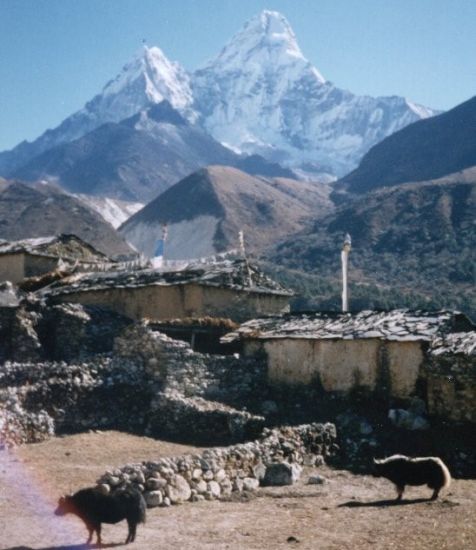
446,472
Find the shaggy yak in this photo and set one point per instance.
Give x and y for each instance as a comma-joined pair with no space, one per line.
95,508
402,470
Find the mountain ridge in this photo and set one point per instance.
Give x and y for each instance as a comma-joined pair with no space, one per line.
424,150
41,210
206,210
137,158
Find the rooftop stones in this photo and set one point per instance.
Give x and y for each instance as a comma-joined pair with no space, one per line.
398,325
234,274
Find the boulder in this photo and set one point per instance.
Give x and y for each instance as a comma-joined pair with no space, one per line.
153,498
281,473
180,491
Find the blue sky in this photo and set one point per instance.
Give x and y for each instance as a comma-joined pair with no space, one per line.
57,54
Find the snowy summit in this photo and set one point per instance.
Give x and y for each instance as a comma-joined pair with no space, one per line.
259,95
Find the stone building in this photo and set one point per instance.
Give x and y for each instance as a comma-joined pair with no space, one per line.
35,257
230,289
375,351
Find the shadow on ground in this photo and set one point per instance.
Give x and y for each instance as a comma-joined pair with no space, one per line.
381,503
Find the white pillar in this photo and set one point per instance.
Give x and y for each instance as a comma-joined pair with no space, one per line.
344,257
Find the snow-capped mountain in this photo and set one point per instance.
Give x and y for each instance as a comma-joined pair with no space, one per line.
147,79
261,95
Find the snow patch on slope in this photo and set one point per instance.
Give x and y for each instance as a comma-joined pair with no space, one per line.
187,239
114,211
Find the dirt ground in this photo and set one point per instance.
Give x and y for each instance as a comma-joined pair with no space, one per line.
347,512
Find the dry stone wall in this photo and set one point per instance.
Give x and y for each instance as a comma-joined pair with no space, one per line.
150,384
217,473
451,377
40,399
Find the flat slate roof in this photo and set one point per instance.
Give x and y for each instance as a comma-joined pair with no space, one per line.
399,325
461,343
233,274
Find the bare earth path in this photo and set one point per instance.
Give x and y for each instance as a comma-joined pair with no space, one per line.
347,512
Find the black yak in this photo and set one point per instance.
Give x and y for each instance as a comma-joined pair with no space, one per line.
95,508
402,470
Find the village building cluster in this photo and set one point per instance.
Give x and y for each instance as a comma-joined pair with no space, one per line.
61,300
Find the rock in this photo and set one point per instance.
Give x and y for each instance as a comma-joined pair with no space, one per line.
153,498
281,473
250,484
200,486
166,502
103,488
220,475
259,471
226,487
154,483
139,478
402,418
365,428
180,491
114,481
208,475
316,480
214,488
197,474
238,484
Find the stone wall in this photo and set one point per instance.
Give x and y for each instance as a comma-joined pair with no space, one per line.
199,394
451,378
217,473
43,398
150,384
228,379
33,331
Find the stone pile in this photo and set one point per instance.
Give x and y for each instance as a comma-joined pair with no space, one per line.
33,331
217,473
18,426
